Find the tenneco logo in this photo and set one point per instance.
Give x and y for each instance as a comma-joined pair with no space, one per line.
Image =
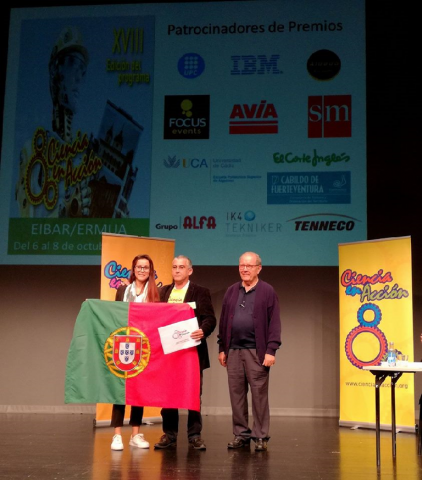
324,222
329,116
174,162
255,65
126,352
186,117
257,118
199,223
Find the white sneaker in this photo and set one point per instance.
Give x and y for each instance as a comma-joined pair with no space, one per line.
138,441
117,443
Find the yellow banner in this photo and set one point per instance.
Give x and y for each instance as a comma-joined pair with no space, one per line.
117,253
375,288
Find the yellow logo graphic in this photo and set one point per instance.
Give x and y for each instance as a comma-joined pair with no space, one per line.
110,355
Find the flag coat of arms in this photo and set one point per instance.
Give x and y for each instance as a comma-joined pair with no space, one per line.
116,356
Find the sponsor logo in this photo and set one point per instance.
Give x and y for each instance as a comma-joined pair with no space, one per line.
127,352
329,116
255,65
331,222
160,226
186,117
323,65
259,118
245,224
191,65
249,216
199,223
308,187
173,162
310,159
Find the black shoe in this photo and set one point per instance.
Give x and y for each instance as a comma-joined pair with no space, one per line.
239,442
260,445
165,441
197,443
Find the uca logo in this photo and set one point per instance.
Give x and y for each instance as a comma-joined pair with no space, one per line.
171,162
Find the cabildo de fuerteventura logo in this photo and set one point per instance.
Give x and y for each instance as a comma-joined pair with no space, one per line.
127,352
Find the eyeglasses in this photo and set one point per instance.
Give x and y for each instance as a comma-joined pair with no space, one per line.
141,269
248,267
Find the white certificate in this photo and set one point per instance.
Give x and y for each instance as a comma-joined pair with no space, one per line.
176,336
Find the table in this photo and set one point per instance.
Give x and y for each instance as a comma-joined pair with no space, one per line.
381,373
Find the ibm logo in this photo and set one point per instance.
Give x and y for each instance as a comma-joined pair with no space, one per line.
255,65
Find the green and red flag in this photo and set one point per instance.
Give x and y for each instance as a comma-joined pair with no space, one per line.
116,357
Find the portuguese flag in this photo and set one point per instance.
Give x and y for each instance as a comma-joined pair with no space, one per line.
116,357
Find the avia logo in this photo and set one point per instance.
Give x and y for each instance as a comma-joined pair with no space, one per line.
329,116
173,162
259,118
255,65
191,65
194,223
311,223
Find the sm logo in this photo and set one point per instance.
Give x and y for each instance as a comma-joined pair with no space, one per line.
329,116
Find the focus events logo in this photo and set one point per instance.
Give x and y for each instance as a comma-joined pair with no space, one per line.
186,117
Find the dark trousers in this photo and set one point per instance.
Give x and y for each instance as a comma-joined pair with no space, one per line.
244,369
118,416
171,421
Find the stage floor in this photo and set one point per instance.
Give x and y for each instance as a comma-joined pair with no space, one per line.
63,447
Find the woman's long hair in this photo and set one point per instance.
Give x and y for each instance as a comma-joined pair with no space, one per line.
152,295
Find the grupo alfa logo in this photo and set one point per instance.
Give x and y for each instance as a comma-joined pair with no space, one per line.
199,223
323,65
191,65
255,65
175,162
324,222
186,117
255,118
329,116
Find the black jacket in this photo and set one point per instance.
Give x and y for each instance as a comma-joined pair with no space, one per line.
204,313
